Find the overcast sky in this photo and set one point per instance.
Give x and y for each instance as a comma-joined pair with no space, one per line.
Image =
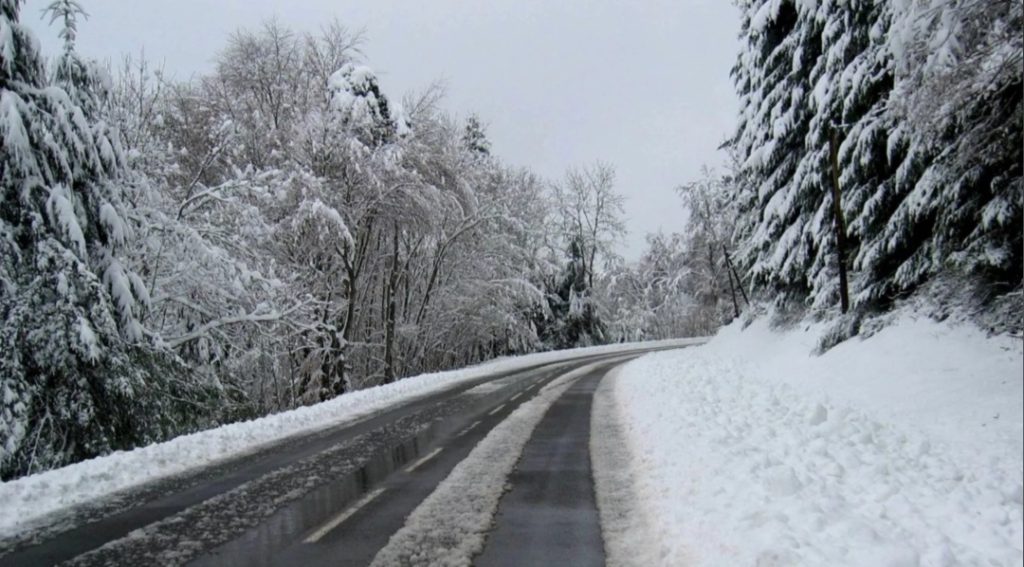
643,85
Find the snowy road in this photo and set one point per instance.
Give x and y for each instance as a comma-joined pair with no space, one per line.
551,504
339,496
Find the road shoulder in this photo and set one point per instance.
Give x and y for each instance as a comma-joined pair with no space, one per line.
625,527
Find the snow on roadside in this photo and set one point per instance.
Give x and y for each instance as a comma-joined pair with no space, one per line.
28,499
625,526
449,527
903,449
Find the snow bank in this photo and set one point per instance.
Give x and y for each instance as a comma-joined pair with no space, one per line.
26,500
902,449
625,525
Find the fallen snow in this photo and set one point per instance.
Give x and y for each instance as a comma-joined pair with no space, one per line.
450,526
625,525
28,499
903,449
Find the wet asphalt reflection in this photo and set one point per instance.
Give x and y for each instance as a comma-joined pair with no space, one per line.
396,478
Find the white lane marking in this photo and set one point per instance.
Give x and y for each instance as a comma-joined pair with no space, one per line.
426,458
513,398
496,410
346,514
468,429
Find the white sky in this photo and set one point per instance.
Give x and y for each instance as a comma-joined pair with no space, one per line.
641,84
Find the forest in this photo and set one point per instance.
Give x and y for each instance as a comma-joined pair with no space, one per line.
176,255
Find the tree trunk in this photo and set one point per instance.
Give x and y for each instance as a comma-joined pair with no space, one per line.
732,292
389,318
840,224
326,361
739,283
346,332
713,272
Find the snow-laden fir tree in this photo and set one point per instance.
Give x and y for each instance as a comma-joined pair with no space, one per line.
958,68
918,201
811,72
73,369
475,136
573,317
357,99
775,88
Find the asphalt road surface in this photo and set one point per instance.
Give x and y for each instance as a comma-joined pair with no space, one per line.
549,516
336,497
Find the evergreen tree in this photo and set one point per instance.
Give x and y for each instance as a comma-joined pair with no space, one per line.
357,101
475,137
73,381
817,72
957,99
773,80
574,321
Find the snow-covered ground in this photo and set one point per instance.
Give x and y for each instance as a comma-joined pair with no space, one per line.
903,449
628,536
26,500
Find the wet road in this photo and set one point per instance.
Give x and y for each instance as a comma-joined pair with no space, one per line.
352,534
549,516
285,504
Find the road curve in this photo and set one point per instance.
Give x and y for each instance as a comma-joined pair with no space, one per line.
284,504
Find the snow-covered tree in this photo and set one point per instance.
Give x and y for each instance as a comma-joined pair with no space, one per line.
591,214
684,284
586,225
76,375
710,278
358,103
958,69
475,137
574,319
202,244
649,299
774,85
926,183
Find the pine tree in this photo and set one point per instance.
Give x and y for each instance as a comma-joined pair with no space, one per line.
574,321
957,100
918,203
73,378
773,80
475,137
852,79
358,102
